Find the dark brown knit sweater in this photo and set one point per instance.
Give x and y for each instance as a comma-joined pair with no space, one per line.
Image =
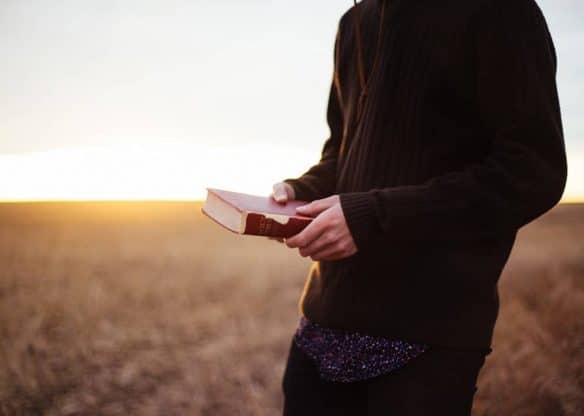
459,144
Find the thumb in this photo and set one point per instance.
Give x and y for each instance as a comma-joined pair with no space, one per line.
313,208
279,193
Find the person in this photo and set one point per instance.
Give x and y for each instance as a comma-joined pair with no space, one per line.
445,138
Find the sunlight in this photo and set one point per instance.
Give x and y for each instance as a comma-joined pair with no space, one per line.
155,170
170,170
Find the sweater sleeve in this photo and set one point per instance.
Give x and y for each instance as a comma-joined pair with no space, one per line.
524,173
319,181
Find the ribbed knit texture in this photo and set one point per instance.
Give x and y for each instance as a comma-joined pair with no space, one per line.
459,145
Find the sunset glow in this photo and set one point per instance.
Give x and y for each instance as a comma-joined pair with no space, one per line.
168,171
146,99
156,170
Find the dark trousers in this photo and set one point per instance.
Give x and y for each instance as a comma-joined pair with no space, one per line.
442,381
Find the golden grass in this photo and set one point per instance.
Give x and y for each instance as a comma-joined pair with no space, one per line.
150,309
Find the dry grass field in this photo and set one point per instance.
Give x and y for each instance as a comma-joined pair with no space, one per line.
150,309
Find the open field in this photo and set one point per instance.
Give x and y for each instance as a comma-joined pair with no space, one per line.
151,309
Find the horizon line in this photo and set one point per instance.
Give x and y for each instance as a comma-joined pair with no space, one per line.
579,200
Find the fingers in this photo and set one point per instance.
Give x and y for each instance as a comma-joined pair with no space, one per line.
330,252
279,193
308,235
282,192
327,237
342,247
325,241
316,207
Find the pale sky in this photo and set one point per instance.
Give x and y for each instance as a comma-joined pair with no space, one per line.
140,99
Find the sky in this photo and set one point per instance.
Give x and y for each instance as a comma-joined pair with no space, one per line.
145,99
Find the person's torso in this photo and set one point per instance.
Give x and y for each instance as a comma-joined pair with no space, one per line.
421,117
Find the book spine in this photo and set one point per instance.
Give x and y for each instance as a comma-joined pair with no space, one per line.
258,224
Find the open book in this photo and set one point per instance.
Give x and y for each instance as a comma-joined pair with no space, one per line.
254,215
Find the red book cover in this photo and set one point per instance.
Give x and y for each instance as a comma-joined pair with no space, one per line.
253,214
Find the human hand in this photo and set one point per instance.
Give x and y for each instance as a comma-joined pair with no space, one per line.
282,192
327,237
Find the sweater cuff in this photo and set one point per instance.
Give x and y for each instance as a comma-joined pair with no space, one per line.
359,211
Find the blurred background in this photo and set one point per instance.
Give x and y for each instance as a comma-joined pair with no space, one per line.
142,306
